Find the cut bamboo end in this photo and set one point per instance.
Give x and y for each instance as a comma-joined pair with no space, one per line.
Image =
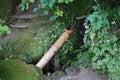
46,58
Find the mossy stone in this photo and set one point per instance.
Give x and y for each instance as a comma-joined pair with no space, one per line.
18,70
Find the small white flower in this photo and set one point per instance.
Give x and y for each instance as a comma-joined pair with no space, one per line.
116,49
108,40
113,22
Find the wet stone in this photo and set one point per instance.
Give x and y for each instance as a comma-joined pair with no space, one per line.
57,75
71,71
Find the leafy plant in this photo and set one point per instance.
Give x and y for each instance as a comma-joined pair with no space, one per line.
3,29
101,45
46,5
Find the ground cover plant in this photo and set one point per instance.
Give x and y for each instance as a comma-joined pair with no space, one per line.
101,45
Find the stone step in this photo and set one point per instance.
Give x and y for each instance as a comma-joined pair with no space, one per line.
28,16
19,25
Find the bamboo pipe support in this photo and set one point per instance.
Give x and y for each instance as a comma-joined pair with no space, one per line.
54,48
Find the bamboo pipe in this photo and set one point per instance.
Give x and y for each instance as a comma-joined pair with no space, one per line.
54,48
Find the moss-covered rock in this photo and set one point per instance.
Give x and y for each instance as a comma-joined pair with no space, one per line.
17,70
7,7
25,47
29,45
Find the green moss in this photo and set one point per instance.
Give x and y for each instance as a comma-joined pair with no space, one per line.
31,44
18,70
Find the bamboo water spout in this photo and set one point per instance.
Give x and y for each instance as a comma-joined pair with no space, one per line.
55,47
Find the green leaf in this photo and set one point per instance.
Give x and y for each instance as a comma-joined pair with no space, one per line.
52,18
1,48
35,9
51,5
58,12
27,6
23,7
61,1
91,18
8,32
67,1
46,12
32,1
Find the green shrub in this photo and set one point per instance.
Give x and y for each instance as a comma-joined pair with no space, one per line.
46,6
29,46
